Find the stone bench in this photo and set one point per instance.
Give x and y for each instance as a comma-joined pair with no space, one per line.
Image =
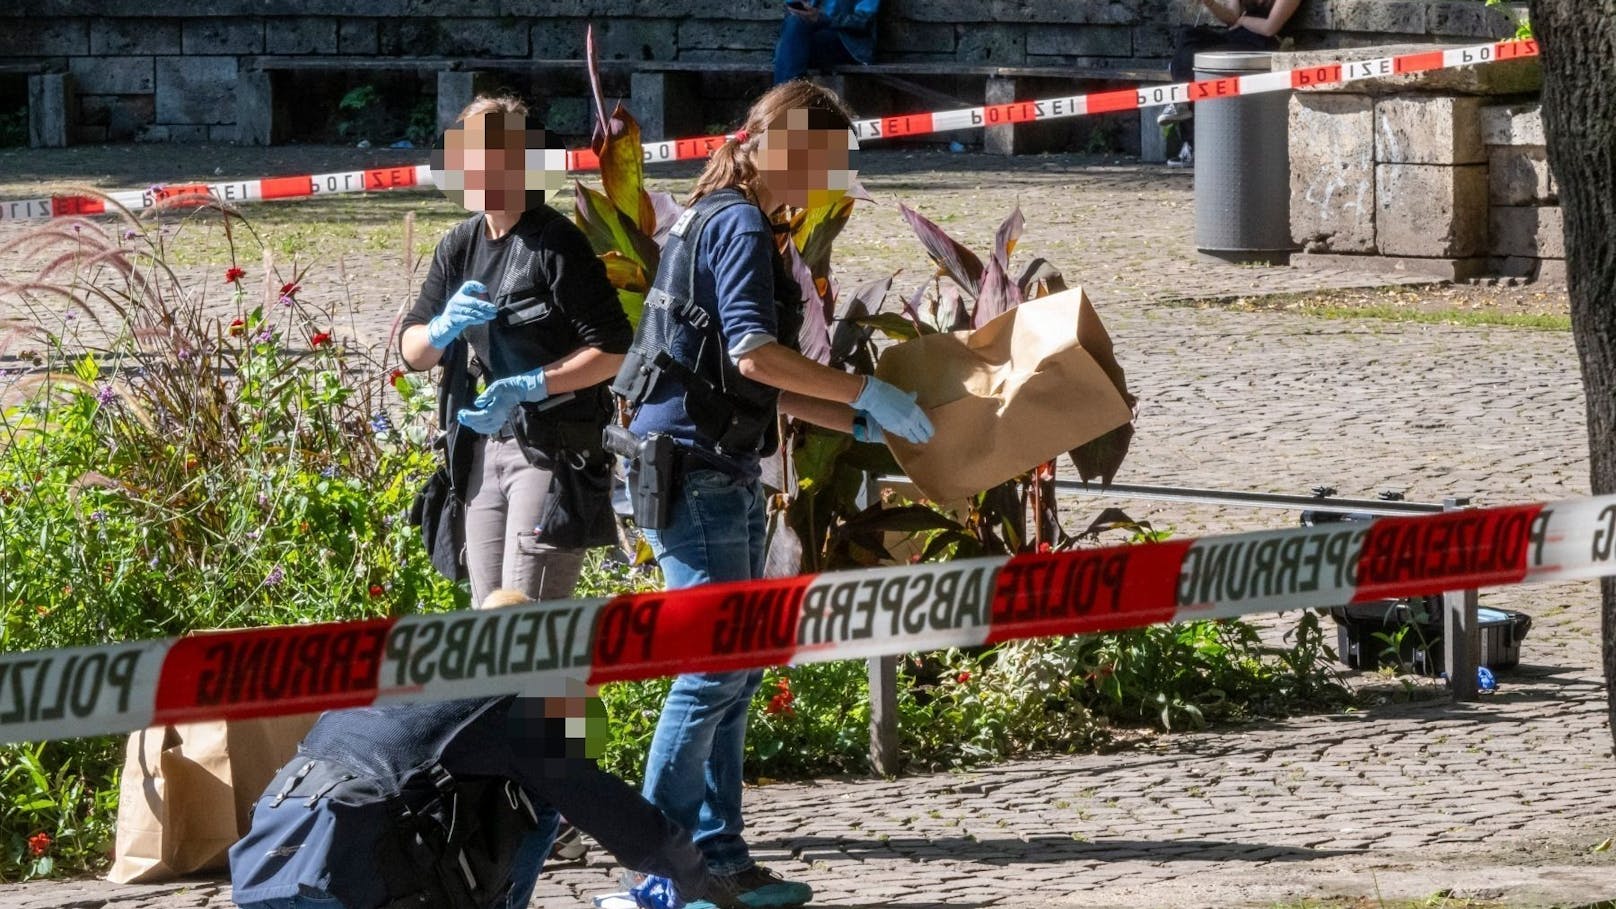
665,96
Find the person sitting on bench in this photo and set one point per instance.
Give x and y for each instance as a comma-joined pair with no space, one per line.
818,34
1250,25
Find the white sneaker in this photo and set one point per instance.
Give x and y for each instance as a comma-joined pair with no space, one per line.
1174,113
1185,158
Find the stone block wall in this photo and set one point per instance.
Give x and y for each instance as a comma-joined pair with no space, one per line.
1444,174
169,71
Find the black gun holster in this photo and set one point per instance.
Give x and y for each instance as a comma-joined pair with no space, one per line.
653,469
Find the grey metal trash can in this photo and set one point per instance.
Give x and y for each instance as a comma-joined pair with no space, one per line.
1242,166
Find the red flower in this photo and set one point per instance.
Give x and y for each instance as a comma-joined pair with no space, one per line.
190,462
394,376
39,844
963,678
1045,548
376,590
290,290
237,326
234,275
781,702
320,339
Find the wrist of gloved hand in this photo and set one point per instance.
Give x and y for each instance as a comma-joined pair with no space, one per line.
867,430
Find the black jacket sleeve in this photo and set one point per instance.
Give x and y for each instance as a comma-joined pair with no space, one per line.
443,277
620,819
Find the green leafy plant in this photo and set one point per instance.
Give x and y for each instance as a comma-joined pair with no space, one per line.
14,128
624,222
1523,24
165,469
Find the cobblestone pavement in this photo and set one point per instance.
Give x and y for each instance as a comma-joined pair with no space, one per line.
1504,799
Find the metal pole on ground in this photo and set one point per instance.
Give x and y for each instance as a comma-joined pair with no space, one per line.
1461,631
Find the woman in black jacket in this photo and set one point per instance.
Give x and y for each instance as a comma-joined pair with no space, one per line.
519,284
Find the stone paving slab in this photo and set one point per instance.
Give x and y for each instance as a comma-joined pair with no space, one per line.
1503,799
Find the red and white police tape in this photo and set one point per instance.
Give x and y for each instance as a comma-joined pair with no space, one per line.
553,647
907,125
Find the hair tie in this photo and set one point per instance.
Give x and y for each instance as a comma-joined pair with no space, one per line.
741,137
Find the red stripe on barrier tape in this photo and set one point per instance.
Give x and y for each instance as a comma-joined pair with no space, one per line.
1418,63
181,195
701,147
286,187
382,178
920,124
1086,591
1463,550
267,672
1212,89
715,628
62,206
1110,102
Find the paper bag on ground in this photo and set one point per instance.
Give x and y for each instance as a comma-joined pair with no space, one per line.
1037,381
186,791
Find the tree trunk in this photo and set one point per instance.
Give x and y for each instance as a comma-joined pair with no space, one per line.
1578,41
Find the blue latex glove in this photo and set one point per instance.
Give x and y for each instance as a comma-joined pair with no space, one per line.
866,429
494,405
656,893
469,306
894,410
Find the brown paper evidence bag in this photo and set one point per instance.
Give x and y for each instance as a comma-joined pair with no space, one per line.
186,791
1036,381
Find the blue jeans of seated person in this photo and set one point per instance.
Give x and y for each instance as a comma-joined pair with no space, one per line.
716,531
525,870
805,44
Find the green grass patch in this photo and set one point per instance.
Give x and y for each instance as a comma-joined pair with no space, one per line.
1474,318
1416,304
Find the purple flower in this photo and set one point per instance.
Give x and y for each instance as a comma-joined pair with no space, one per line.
106,395
98,516
70,315
263,500
285,300
155,188
130,234
380,424
329,472
253,534
265,336
275,576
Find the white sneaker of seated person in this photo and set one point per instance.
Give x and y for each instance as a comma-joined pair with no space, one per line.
1184,158
1174,113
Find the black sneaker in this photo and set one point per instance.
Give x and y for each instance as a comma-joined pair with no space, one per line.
759,888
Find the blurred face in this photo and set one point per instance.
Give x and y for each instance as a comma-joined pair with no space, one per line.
499,161
807,159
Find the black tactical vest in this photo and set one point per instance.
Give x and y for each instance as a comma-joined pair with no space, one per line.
677,338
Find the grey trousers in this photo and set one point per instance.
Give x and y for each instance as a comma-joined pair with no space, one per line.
503,505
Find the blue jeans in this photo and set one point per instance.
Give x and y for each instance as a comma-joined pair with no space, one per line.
805,44
525,870
715,532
